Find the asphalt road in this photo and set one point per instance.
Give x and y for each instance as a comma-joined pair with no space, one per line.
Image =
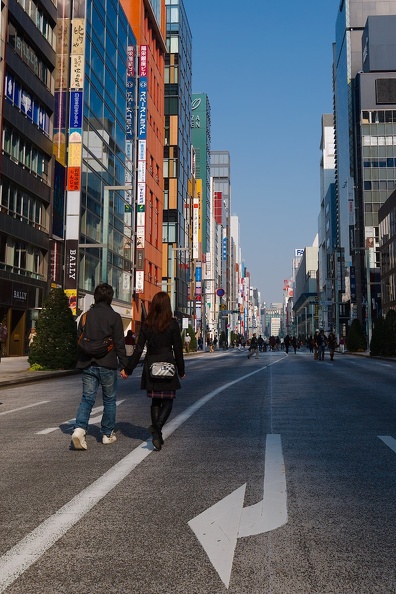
277,476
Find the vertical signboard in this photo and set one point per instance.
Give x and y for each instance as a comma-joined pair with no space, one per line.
141,184
74,156
198,291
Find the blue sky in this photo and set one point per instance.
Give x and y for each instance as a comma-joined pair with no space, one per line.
266,67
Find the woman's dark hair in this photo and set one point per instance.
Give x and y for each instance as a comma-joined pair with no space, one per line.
104,293
160,313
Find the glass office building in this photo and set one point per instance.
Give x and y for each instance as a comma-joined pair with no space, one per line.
100,135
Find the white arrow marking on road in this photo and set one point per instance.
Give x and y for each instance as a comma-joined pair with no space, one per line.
271,512
219,527
217,531
92,420
389,441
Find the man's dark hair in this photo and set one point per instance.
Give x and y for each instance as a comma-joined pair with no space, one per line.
104,293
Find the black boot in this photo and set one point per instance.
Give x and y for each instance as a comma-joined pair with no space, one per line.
154,428
166,409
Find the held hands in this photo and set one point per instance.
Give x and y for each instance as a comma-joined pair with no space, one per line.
123,374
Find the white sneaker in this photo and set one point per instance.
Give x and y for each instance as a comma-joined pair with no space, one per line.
78,439
106,439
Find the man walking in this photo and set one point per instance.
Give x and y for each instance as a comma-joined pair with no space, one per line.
101,323
253,347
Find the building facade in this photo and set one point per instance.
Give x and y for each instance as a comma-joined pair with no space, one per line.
360,188
27,69
148,21
177,267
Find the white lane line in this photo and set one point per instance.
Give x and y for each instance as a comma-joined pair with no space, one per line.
7,412
20,557
92,420
389,441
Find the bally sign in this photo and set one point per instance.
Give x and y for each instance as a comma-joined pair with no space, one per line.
71,264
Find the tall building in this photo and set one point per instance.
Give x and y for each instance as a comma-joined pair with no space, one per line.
220,173
327,230
177,224
201,140
27,78
236,266
364,138
148,21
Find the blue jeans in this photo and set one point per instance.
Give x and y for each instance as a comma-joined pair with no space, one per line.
93,377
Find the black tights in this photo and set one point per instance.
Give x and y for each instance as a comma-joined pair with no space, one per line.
161,408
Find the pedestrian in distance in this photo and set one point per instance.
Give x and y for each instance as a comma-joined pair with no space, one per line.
253,349
316,345
294,344
102,325
342,344
311,343
287,343
32,336
321,340
130,342
3,337
209,343
187,340
332,344
160,333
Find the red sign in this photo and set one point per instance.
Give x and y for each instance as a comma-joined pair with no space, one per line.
73,179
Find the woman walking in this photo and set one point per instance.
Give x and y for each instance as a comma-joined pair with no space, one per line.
161,333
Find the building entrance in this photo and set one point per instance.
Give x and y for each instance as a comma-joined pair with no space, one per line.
16,333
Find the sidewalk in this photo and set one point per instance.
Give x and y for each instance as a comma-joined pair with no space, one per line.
15,370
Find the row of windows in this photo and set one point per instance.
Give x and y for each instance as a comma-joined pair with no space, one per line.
384,184
391,162
29,56
369,140
379,116
27,104
21,258
21,205
24,153
39,19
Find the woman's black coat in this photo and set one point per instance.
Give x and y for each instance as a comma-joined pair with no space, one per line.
169,339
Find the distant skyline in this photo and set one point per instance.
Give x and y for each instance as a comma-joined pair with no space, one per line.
267,70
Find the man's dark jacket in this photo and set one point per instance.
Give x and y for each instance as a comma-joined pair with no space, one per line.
103,322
